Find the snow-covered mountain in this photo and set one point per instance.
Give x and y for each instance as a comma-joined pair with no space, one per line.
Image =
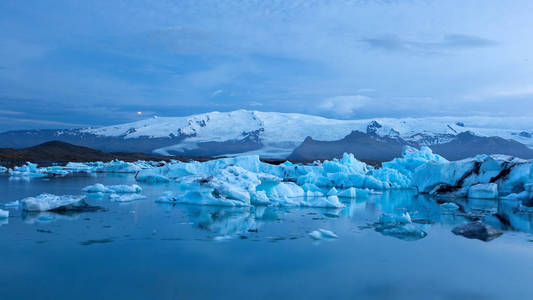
269,134
280,133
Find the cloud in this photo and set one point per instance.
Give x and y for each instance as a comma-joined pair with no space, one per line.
344,106
10,112
500,92
216,93
445,43
255,104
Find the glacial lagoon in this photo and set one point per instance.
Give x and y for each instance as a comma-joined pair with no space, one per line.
146,250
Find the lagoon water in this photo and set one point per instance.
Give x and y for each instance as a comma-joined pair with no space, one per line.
145,250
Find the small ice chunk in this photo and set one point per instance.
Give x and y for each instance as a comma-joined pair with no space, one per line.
322,234
399,226
121,188
13,204
126,198
168,197
4,214
449,206
394,219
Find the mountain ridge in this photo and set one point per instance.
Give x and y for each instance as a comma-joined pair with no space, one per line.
268,134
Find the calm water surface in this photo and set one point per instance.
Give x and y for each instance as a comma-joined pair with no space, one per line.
145,250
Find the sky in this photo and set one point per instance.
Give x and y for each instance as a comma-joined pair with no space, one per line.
90,63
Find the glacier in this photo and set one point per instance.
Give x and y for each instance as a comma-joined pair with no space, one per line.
281,133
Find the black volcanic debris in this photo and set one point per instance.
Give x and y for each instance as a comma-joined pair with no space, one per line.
477,230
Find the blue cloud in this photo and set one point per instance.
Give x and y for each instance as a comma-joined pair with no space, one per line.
103,62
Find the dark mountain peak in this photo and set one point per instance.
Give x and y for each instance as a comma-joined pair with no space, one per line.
467,135
356,134
373,127
365,147
467,144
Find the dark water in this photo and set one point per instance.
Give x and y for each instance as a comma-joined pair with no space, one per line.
144,250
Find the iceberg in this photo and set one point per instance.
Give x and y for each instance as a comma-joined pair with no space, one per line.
483,191
399,226
12,204
27,170
4,214
126,198
449,206
121,188
3,169
118,166
49,202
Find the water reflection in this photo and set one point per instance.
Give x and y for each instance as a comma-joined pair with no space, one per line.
423,210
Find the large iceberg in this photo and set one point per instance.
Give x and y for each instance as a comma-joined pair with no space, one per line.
244,181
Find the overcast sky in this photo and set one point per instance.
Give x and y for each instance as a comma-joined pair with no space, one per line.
79,63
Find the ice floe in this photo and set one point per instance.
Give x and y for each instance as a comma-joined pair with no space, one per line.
49,202
116,166
399,226
126,198
449,206
121,188
4,214
322,234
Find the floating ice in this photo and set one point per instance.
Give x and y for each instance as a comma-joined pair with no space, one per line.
3,169
27,170
117,166
13,204
4,214
47,202
399,226
449,206
121,188
322,234
127,197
